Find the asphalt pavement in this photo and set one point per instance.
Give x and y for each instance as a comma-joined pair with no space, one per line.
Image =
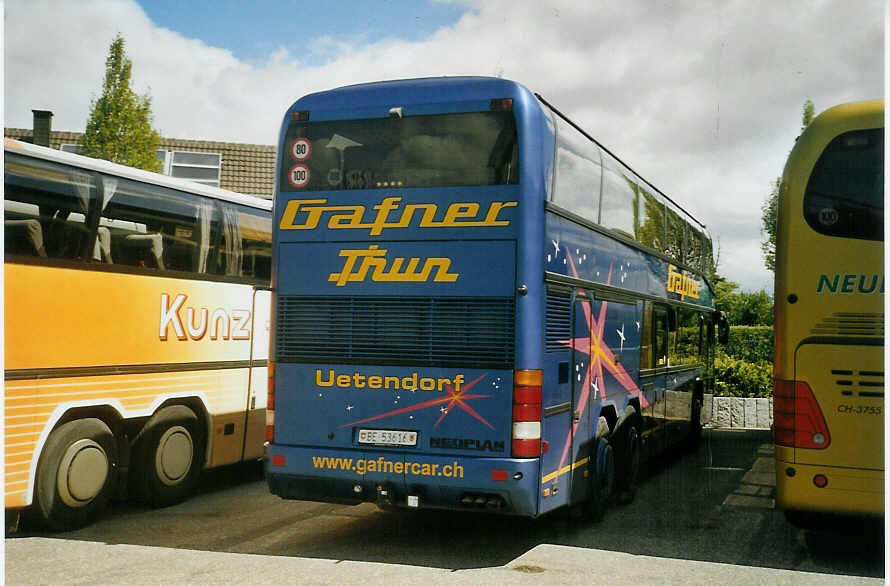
231,535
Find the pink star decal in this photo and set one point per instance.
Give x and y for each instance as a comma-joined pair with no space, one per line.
601,357
458,399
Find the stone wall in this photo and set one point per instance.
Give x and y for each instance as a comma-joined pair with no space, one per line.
737,413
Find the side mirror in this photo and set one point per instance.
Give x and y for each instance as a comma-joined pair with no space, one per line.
722,327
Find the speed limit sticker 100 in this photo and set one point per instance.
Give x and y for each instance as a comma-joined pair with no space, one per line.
300,149
298,175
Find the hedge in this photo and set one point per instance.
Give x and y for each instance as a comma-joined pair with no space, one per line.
750,343
739,378
744,367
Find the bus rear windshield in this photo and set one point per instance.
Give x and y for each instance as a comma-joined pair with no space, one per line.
845,193
476,148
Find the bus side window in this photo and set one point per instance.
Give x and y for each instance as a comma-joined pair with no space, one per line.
246,246
664,325
155,227
46,209
646,350
687,349
23,234
660,331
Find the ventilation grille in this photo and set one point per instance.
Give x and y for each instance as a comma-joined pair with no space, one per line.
559,322
860,383
410,331
851,324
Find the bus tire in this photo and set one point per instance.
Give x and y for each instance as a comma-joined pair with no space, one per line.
75,474
629,464
166,457
601,480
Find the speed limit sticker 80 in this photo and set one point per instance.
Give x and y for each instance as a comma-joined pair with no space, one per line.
298,176
300,149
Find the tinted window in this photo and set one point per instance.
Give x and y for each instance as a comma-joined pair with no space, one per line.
245,248
478,148
55,211
619,199
156,228
579,172
675,245
650,229
48,209
688,349
845,193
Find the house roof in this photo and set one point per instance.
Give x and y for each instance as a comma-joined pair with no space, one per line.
245,168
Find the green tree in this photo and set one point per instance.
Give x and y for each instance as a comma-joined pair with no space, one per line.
770,208
119,128
741,307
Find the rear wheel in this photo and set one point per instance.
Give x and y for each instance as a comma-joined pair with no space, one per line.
75,474
167,457
601,479
629,464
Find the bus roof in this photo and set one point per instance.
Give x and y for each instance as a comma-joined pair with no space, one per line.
428,89
440,90
101,166
849,116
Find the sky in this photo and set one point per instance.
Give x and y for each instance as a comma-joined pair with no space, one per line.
702,98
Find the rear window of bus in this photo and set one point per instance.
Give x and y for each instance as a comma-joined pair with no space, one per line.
845,193
474,148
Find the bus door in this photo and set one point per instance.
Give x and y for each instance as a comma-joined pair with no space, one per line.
255,417
582,383
658,381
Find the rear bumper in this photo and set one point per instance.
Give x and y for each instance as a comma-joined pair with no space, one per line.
848,491
502,485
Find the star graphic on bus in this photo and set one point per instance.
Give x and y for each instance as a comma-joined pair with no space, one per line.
602,360
454,399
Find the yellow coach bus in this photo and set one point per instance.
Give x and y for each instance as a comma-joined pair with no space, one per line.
136,333
829,291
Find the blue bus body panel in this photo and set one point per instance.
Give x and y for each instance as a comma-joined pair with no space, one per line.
450,409
436,95
452,217
575,251
457,269
352,477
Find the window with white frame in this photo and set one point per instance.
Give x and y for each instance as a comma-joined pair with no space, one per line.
201,167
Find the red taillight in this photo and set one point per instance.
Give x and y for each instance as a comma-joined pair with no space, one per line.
797,419
527,396
527,412
270,403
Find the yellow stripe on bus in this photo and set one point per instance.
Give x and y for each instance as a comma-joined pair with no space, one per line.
564,470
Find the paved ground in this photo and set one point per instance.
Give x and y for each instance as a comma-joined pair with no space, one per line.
38,560
707,517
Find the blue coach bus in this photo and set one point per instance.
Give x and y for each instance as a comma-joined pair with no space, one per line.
475,305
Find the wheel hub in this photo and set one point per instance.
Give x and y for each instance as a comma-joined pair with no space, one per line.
82,473
173,459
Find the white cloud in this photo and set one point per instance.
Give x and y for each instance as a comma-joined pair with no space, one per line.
702,99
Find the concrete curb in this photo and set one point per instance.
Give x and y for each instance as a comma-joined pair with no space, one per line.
56,561
737,412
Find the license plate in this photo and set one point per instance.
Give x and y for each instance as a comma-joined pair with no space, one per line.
387,437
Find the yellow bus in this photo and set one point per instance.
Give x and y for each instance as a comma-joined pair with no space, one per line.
829,291
136,333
